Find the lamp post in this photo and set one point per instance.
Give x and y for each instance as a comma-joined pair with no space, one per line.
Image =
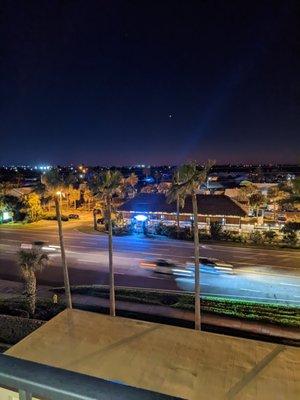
59,194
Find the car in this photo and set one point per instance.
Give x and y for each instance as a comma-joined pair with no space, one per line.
162,266
73,216
212,264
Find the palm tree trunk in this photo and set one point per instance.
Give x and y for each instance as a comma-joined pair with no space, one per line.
112,300
177,209
63,254
197,269
177,216
30,292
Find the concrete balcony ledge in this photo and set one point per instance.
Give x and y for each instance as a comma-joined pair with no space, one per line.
164,359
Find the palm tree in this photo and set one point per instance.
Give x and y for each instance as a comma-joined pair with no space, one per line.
105,186
255,201
73,196
174,182
55,184
30,262
132,180
189,180
87,197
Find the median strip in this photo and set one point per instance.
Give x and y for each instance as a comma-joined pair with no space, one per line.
244,309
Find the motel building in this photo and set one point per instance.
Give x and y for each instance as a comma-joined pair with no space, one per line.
152,208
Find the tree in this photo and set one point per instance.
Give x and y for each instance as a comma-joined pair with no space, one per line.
175,181
275,196
13,205
73,196
187,184
290,235
105,186
132,180
6,187
32,207
215,230
87,197
30,262
296,186
255,200
55,184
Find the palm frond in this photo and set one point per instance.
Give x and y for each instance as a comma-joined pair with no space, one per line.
187,180
32,260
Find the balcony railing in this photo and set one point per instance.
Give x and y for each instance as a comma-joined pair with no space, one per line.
30,379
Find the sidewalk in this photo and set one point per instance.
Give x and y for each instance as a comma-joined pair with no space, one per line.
9,289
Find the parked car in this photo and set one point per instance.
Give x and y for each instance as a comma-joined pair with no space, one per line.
73,216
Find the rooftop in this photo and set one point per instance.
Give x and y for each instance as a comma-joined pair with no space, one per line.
165,359
207,205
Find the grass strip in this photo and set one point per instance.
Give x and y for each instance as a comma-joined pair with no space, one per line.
248,310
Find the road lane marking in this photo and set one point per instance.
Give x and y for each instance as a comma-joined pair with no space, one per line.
251,290
288,284
253,264
258,273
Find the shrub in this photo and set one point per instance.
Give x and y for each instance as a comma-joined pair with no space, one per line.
52,217
172,232
290,238
256,237
270,236
238,238
215,230
291,227
122,230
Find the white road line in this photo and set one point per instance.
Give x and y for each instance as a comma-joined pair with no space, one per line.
288,284
88,261
253,264
252,290
258,273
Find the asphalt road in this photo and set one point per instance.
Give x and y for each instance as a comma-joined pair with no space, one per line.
264,275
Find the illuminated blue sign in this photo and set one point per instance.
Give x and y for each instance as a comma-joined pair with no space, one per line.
140,217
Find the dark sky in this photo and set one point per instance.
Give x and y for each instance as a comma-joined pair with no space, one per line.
128,82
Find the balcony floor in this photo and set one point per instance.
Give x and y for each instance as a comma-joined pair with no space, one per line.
175,361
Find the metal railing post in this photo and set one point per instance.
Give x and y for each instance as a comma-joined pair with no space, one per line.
24,395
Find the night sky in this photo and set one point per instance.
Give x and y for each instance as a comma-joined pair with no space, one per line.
157,82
